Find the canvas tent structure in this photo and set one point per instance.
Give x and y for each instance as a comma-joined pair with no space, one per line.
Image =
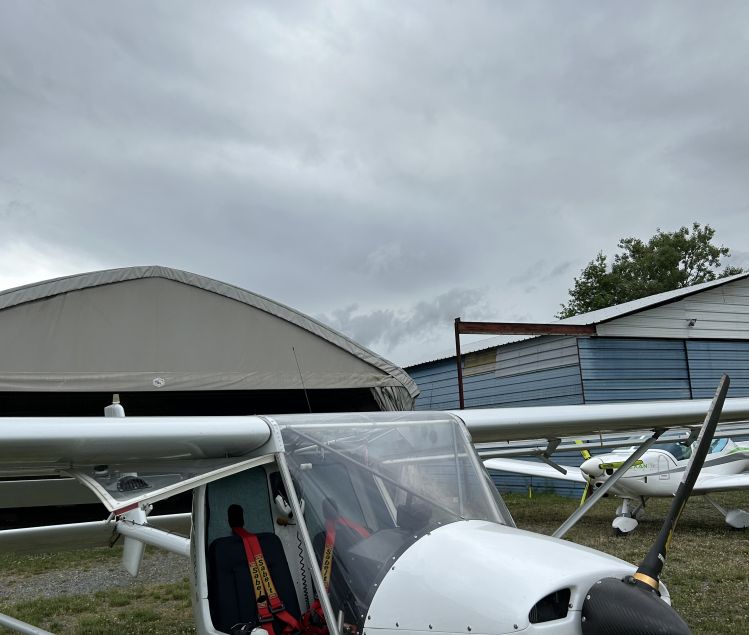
177,343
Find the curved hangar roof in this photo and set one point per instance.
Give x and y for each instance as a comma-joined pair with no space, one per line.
155,329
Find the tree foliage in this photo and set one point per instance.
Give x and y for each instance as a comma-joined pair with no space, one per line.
669,260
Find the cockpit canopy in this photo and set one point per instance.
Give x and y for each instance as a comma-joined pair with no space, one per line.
680,450
384,482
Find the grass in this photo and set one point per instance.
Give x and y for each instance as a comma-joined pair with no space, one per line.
27,565
163,609
707,571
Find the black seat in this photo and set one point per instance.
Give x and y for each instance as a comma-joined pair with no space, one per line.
230,593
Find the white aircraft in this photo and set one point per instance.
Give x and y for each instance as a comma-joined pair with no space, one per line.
355,523
656,473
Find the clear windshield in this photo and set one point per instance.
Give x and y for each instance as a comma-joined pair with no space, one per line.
381,483
675,448
678,450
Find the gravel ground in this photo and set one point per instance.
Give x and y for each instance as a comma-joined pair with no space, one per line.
159,567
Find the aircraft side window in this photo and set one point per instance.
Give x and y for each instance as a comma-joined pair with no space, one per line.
678,450
718,445
248,489
685,451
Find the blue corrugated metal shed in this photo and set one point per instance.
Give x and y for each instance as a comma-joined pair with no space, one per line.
643,362
633,369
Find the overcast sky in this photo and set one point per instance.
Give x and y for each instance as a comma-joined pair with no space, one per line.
382,166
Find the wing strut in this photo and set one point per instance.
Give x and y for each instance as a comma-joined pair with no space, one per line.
545,456
592,500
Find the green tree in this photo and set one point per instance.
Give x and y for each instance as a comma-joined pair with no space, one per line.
669,260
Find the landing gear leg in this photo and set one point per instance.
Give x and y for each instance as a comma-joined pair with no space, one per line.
639,512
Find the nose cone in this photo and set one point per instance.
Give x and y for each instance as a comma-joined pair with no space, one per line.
592,467
479,577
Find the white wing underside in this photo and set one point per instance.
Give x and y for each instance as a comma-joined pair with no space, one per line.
707,483
533,468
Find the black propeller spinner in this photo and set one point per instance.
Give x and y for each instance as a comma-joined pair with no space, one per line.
633,606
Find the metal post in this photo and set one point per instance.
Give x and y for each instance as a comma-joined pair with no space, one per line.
458,361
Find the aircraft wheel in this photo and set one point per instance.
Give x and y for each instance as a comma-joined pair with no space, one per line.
624,524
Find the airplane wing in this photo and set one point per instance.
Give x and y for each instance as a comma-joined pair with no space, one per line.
533,468
508,424
534,447
33,442
133,460
707,483
44,445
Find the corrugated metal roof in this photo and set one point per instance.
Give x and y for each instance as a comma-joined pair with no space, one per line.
591,318
635,306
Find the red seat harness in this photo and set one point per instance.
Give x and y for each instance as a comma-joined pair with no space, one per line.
269,605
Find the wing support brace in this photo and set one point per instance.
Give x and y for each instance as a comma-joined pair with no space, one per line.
545,456
144,535
155,537
607,484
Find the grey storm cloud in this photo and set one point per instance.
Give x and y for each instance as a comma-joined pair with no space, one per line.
420,321
373,155
541,271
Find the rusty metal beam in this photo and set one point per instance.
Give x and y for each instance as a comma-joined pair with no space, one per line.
521,328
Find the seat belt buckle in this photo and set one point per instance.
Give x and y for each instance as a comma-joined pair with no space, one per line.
279,608
264,614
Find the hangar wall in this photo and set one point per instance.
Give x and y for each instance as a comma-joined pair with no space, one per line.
173,342
670,346
605,370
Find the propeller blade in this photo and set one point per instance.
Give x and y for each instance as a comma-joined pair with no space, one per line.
586,491
652,565
588,487
583,451
633,606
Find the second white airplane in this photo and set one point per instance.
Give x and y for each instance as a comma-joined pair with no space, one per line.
657,473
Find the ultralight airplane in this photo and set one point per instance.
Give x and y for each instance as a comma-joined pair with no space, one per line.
355,523
656,473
